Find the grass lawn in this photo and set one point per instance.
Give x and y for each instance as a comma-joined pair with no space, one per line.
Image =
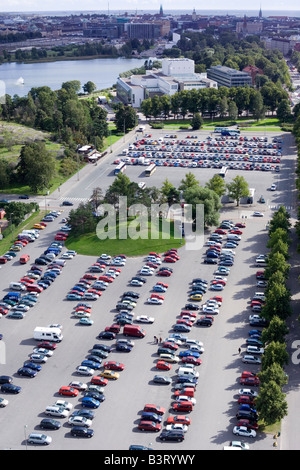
8,240
91,244
267,124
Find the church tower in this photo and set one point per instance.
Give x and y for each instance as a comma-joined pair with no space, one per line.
161,12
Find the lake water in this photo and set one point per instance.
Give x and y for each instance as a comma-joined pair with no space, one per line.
103,72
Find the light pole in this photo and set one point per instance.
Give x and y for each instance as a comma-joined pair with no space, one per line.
25,434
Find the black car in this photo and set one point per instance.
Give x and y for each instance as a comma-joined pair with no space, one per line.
161,379
202,281
191,306
89,414
149,416
5,379
48,423
243,414
106,335
82,432
172,435
102,347
41,261
67,203
10,388
204,321
123,347
211,261
98,396
27,372
23,196
134,295
139,278
186,379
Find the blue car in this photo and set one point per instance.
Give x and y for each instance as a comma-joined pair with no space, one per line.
26,372
255,333
212,254
189,353
32,366
73,297
91,364
89,402
159,289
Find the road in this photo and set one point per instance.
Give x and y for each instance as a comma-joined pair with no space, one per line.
116,420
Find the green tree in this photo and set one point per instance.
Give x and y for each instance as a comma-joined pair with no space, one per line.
125,118
169,194
238,188
36,167
284,111
275,352
196,122
217,184
271,403
275,331
210,200
188,181
89,87
273,373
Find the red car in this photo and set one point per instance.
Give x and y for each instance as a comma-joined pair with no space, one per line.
113,328
236,232
218,281
170,345
164,273
47,345
3,311
245,399
97,380
34,288
196,361
240,225
179,420
188,314
185,406
60,238
162,365
3,260
159,410
149,426
170,259
27,280
247,423
152,253
113,365
220,231
69,391
182,321
162,284
250,381
157,296
106,278
90,277
217,298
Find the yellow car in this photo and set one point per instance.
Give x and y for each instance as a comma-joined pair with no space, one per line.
109,374
196,297
15,248
39,226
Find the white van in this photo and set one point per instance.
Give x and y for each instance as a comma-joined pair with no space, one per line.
57,411
233,236
261,262
47,334
227,252
17,286
187,371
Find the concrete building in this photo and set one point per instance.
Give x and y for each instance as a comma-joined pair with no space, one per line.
175,75
225,76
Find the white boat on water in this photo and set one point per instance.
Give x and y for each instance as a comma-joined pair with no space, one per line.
21,81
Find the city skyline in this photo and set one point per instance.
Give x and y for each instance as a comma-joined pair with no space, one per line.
145,5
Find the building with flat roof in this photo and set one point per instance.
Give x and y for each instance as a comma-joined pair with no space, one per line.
225,76
175,75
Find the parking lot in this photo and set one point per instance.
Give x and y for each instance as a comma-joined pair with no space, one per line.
116,420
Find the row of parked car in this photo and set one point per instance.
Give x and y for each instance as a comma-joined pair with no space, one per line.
210,153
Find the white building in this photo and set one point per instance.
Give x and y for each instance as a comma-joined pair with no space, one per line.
175,75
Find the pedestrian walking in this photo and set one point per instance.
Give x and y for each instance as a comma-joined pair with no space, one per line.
240,350
155,339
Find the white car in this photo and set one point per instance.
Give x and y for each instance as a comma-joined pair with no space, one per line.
255,350
258,214
273,187
82,314
105,256
239,444
45,352
220,278
80,421
248,392
66,256
186,398
135,282
146,272
261,283
64,404
243,431
192,342
155,301
196,348
55,325
84,370
3,402
144,319
78,385
249,359
177,426
210,310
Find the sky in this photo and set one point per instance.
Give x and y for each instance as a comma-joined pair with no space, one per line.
140,5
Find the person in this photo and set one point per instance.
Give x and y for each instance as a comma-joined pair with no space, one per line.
240,350
155,339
